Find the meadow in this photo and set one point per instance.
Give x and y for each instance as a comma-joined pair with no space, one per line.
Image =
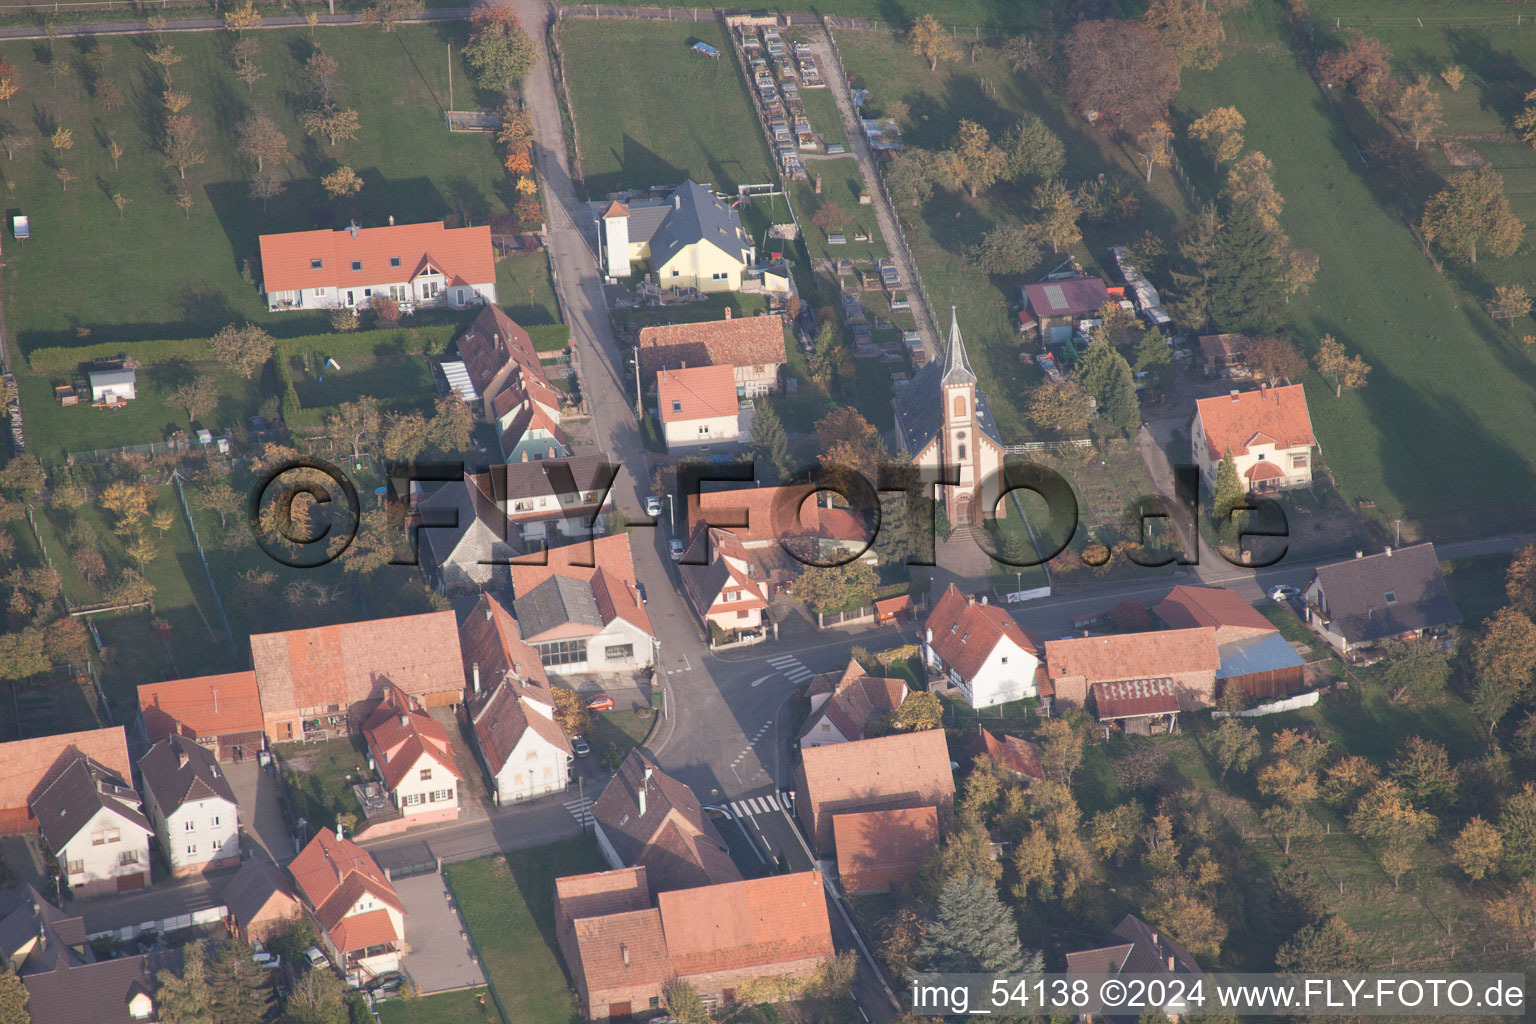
660,112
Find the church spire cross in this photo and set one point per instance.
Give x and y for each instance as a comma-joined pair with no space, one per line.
957,368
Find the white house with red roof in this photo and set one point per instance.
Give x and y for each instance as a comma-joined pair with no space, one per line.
846,706
981,649
411,752
717,574
698,407
753,346
355,909
416,264
1268,432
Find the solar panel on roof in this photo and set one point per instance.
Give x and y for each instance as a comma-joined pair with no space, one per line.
1055,296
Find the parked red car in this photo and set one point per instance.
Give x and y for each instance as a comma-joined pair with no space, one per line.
602,702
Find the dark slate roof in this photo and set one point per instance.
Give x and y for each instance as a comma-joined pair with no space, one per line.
920,406
693,214
176,781
97,993
1134,947
249,891
1356,594
64,935
481,533
547,477
555,602
1268,653
82,789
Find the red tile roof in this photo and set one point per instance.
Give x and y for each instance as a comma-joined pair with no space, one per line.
287,260
1132,698
492,341
623,952
1072,297
334,873
349,663
878,850
502,718
1276,416
856,698
908,769
490,639
400,734
27,767
699,392
1133,655
360,931
757,514
610,572
736,341
202,707
601,892
1017,755
1209,606
966,631
756,923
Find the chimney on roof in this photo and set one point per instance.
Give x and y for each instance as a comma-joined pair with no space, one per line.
928,635
727,312
404,720
1389,551
487,610
641,797
1234,394
352,229
474,676
391,220
215,701
970,600
181,756
624,952
1263,392
42,937
1170,962
1359,554
983,598
677,201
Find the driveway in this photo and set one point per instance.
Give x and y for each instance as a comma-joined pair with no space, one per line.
261,808
439,958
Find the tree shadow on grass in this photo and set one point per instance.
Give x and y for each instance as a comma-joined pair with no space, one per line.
1502,80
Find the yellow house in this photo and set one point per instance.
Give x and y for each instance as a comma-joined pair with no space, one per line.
691,239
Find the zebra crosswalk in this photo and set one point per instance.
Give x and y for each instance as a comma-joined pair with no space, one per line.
792,668
748,806
581,810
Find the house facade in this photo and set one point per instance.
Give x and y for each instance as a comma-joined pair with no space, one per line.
93,823
980,649
584,618
192,807
415,264
1268,432
356,911
698,407
690,239
411,752
846,706
753,347
722,591
1399,593
943,424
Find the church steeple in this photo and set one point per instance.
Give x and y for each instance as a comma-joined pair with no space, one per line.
957,368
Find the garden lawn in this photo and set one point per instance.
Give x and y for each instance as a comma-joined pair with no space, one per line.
444,1008
155,272
989,17
319,784
524,289
624,727
1442,432
508,906
397,381
650,111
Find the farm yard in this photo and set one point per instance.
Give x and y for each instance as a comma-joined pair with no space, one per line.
641,119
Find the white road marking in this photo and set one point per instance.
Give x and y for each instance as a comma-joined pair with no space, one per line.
773,804
764,679
799,677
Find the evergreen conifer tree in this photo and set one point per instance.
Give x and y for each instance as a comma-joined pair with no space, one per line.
1246,275
973,932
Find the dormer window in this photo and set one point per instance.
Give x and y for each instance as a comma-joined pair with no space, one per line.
357,264
314,264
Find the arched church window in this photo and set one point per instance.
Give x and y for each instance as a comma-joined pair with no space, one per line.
959,405
962,451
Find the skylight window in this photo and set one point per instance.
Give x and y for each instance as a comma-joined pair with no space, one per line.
314,264
394,261
1391,597
357,264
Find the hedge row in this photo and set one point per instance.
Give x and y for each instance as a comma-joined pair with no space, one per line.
549,337
64,359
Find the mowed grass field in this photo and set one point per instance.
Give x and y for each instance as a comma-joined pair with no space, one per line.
990,17
508,905
650,111
157,271
1442,433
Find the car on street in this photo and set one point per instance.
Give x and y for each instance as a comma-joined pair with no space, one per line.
1283,593
268,961
675,548
652,506
580,746
602,702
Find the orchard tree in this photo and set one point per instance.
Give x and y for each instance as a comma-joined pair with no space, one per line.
342,183
1417,670
1220,131
1120,74
1235,745
1061,406
837,588
1425,770
243,349
1478,849
1418,111
335,123
1154,142
1190,29
1520,581
911,176
500,55
198,396
1252,181
1033,151
1058,212
1387,819
1274,360
1509,301
973,159
1364,67
389,13
1345,370
261,141
1516,910
1453,76
266,185
932,42
1471,212
181,142
320,68
247,54
356,423
1328,946
1006,249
